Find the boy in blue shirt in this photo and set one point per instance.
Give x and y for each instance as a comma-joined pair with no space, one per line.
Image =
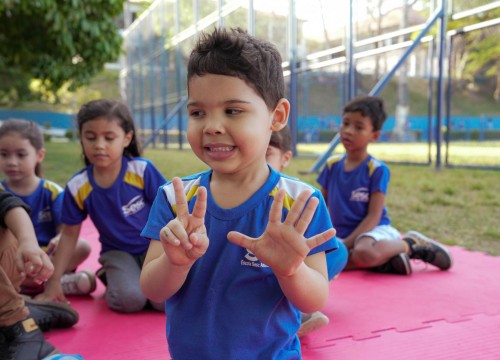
354,186
242,247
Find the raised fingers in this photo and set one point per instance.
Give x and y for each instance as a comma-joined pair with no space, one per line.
277,207
319,239
200,205
180,198
297,208
307,215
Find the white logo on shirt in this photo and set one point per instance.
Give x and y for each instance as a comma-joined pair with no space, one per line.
360,194
251,260
45,215
134,205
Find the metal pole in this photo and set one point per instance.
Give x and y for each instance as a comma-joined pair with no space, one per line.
351,81
440,81
293,75
384,80
430,103
178,70
448,99
164,76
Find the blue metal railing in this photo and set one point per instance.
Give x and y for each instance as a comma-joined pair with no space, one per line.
164,123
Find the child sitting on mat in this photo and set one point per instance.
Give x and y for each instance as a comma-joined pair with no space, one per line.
278,155
116,189
354,185
21,156
241,248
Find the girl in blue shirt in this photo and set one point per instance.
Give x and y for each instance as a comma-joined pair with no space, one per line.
21,156
116,190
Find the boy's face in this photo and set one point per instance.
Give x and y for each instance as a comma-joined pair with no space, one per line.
356,131
229,124
277,159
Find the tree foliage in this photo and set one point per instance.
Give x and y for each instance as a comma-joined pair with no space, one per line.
60,43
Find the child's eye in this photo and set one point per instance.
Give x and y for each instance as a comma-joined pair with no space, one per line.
233,111
109,138
196,113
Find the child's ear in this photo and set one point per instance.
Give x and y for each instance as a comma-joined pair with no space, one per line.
376,135
40,155
285,158
128,138
280,114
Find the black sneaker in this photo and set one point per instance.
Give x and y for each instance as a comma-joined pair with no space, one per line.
428,250
52,315
399,264
24,341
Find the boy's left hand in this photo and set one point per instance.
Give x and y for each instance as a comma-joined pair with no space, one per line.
283,246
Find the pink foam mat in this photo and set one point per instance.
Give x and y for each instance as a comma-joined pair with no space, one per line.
431,314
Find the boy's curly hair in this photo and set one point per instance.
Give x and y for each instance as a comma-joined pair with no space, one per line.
371,106
236,53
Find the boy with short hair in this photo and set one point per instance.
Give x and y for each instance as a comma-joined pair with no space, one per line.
354,186
243,249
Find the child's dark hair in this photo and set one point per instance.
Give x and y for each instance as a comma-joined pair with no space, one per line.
236,53
28,130
371,106
282,139
112,110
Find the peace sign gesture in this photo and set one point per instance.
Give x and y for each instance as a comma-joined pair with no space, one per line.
283,246
184,238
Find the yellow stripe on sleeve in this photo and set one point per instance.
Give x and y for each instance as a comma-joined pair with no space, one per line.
134,180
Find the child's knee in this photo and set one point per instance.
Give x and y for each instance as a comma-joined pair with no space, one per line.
84,248
364,257
125,301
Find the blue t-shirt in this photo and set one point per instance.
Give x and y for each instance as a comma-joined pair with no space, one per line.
120,211
349,191
231,305
45,203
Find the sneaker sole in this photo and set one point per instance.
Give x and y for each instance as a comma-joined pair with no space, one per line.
312,325
93,284
91,275
54,306
405,262
441,247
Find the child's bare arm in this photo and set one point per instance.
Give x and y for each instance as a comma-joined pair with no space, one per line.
65,249
182,241
284,248
30,258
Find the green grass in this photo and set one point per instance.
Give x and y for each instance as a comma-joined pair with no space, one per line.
456,206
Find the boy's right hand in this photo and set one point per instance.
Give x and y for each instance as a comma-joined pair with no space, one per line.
184,238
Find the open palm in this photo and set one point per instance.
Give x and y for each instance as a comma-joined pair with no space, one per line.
283,246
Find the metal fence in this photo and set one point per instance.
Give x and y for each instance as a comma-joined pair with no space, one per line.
428,60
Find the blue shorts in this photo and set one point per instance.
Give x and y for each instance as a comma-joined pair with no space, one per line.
336,260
